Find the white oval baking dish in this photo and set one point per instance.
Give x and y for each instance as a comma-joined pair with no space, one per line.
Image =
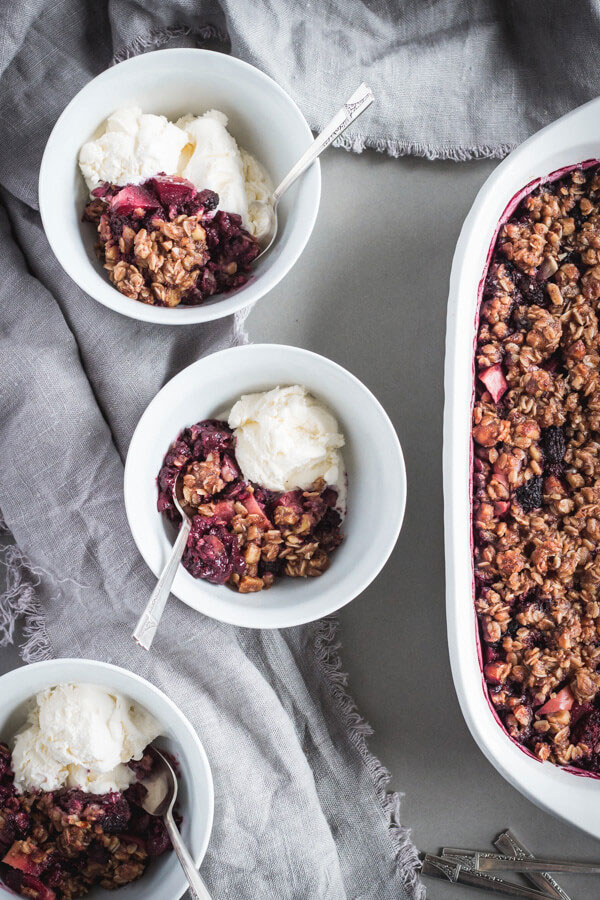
571,140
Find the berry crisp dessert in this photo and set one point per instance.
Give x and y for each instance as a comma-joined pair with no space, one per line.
536,471
179,207
71,795
243,534
165,243
59,844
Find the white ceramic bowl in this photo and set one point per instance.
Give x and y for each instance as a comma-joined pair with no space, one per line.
373,458
164,877
570,140
263,119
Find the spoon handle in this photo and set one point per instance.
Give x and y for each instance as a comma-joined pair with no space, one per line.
352,109
198,889
150,618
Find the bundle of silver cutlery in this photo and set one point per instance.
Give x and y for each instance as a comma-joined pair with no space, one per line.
481,869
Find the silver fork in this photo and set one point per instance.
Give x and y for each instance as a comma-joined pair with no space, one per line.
149,620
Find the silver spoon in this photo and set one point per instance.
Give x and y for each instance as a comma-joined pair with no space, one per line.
149,620
161,785
352,109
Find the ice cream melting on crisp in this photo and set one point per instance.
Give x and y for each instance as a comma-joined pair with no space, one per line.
81,735
134,146
286,439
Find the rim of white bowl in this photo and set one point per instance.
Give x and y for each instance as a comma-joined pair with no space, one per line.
160,315
83,662
205,604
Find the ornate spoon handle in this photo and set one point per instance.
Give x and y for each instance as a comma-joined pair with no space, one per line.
150,618
352,109
508,844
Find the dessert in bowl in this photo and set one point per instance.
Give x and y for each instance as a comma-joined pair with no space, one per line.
265,490
179,208
183,146
519,501
73,741
273,443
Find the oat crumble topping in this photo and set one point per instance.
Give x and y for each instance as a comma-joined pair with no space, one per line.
164,243
56,845
536,472
242,534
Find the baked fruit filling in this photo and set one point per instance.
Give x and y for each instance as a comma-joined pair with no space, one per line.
162,242
242,534
59,844
536,472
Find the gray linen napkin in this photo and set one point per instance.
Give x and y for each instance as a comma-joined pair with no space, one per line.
301,806
457,79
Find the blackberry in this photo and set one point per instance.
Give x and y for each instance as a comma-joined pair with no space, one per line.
512,628
208,199
529,495
157,839
117,813
209,436
8,830
532,600
532,292
553,445
577,217
574,257
213,552
587,731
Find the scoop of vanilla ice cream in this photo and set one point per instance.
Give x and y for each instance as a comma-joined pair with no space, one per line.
81,735
125,121
259,191
34,764
285,439
216,162
118,779
133,147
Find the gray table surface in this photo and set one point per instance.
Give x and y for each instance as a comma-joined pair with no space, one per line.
370,292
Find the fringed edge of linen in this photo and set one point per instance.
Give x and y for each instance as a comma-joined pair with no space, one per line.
19,602
355,143
396,148
327,647
156,39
